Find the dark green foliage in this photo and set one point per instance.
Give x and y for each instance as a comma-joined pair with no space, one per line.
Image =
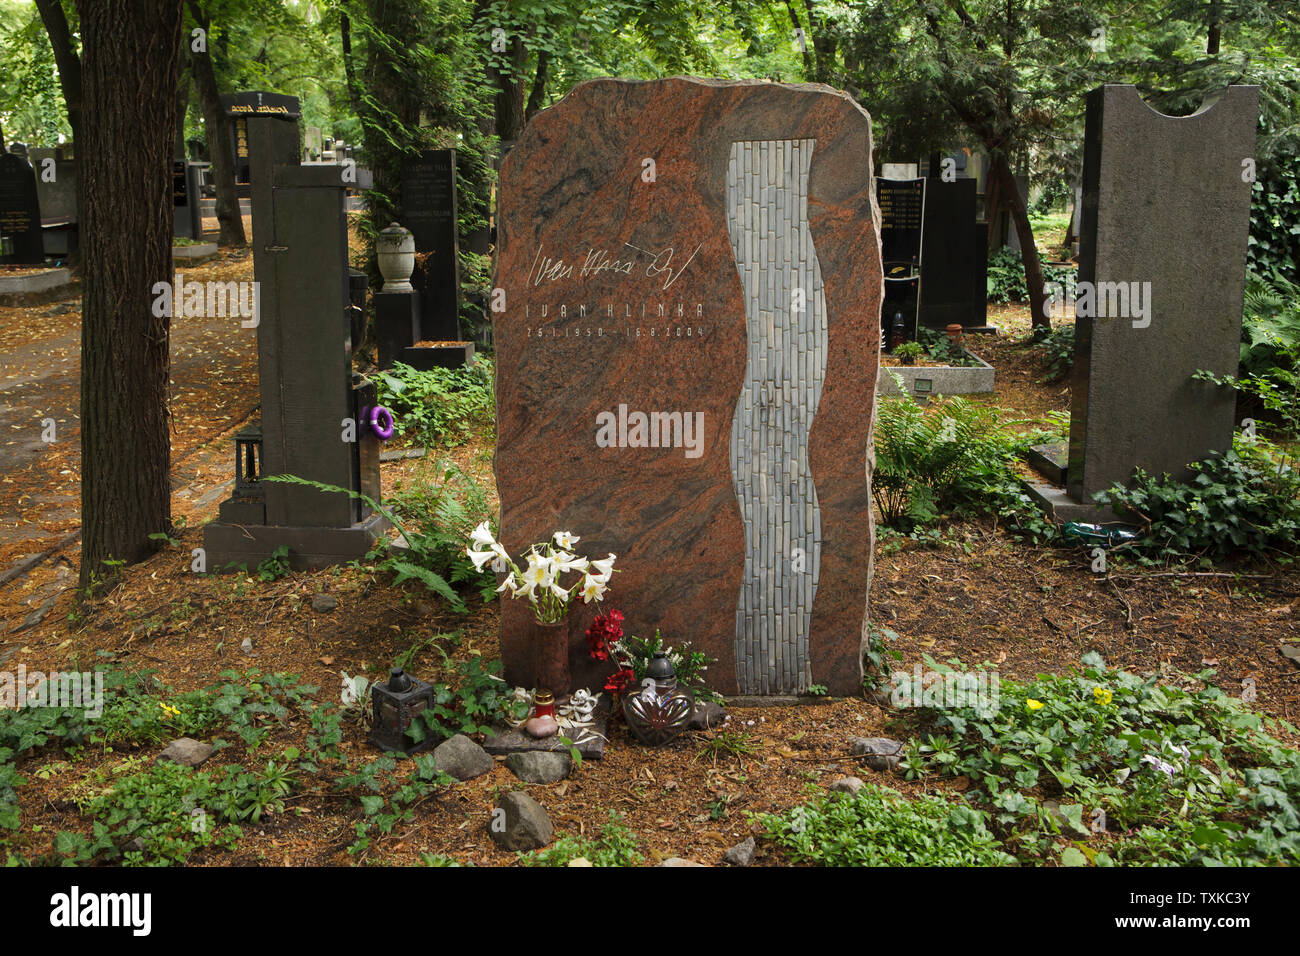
1270,324
880,827
688,664
1274,247
479,698
1057,347
1241,502
446,508
442,406
615,845
1006,277
1124,755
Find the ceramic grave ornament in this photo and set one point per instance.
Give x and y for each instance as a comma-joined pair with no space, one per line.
687,323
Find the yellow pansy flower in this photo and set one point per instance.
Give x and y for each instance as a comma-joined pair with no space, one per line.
1103,695
1032,704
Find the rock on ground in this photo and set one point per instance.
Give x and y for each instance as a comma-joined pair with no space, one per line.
539,766
849,785
520,823
881,753
707,714
742,854
679,861
461,758
324,603
186,752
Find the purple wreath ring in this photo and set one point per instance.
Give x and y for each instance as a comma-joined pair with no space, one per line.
381,423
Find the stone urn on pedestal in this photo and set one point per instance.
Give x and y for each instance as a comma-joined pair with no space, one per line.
395,250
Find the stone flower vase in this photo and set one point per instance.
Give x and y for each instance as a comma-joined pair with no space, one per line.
551,643
395,250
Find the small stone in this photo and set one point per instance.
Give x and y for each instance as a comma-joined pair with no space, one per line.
707,714
881,753
63,308
324,603
186,752
580,861
461,758
520,823
742,854
539,766
849,785
679,861
247,646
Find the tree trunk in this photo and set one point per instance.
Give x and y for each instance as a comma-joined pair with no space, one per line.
1010,193
510,92
537,95
182,108
130,54
216,124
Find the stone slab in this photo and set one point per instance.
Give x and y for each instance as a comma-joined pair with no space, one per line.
309,548
1051,460
1060,505
510,740
921,381
651,239
1166,211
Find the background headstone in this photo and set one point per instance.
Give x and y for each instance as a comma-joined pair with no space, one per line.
1164,202
304,366
429,211
710,249
954,284
902,217
20,212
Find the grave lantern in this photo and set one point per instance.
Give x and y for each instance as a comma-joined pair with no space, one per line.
397,704
660,710
248,462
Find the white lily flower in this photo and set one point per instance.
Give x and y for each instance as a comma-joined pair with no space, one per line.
604,569
564,561
593,589
559,592
479,558
482,535
509,582
565,539
534,576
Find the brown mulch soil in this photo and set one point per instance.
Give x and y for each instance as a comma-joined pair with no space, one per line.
979,596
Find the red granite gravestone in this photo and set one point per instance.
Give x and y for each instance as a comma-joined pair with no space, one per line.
686,368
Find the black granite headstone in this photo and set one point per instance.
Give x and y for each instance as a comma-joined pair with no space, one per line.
429,211
240,106
954,272
902,217
20,213
187,221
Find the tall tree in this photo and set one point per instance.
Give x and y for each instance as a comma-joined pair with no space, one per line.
216,125
130,55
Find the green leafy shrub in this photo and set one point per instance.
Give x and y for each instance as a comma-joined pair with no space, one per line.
879,827
441,406
616,845
415,561
1057,348
940,348
478,699
1123,755
688,664
909,352
1006,277
929,459
446,508
1270,325
1244,501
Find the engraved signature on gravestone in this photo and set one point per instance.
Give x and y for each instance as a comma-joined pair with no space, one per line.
596,261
